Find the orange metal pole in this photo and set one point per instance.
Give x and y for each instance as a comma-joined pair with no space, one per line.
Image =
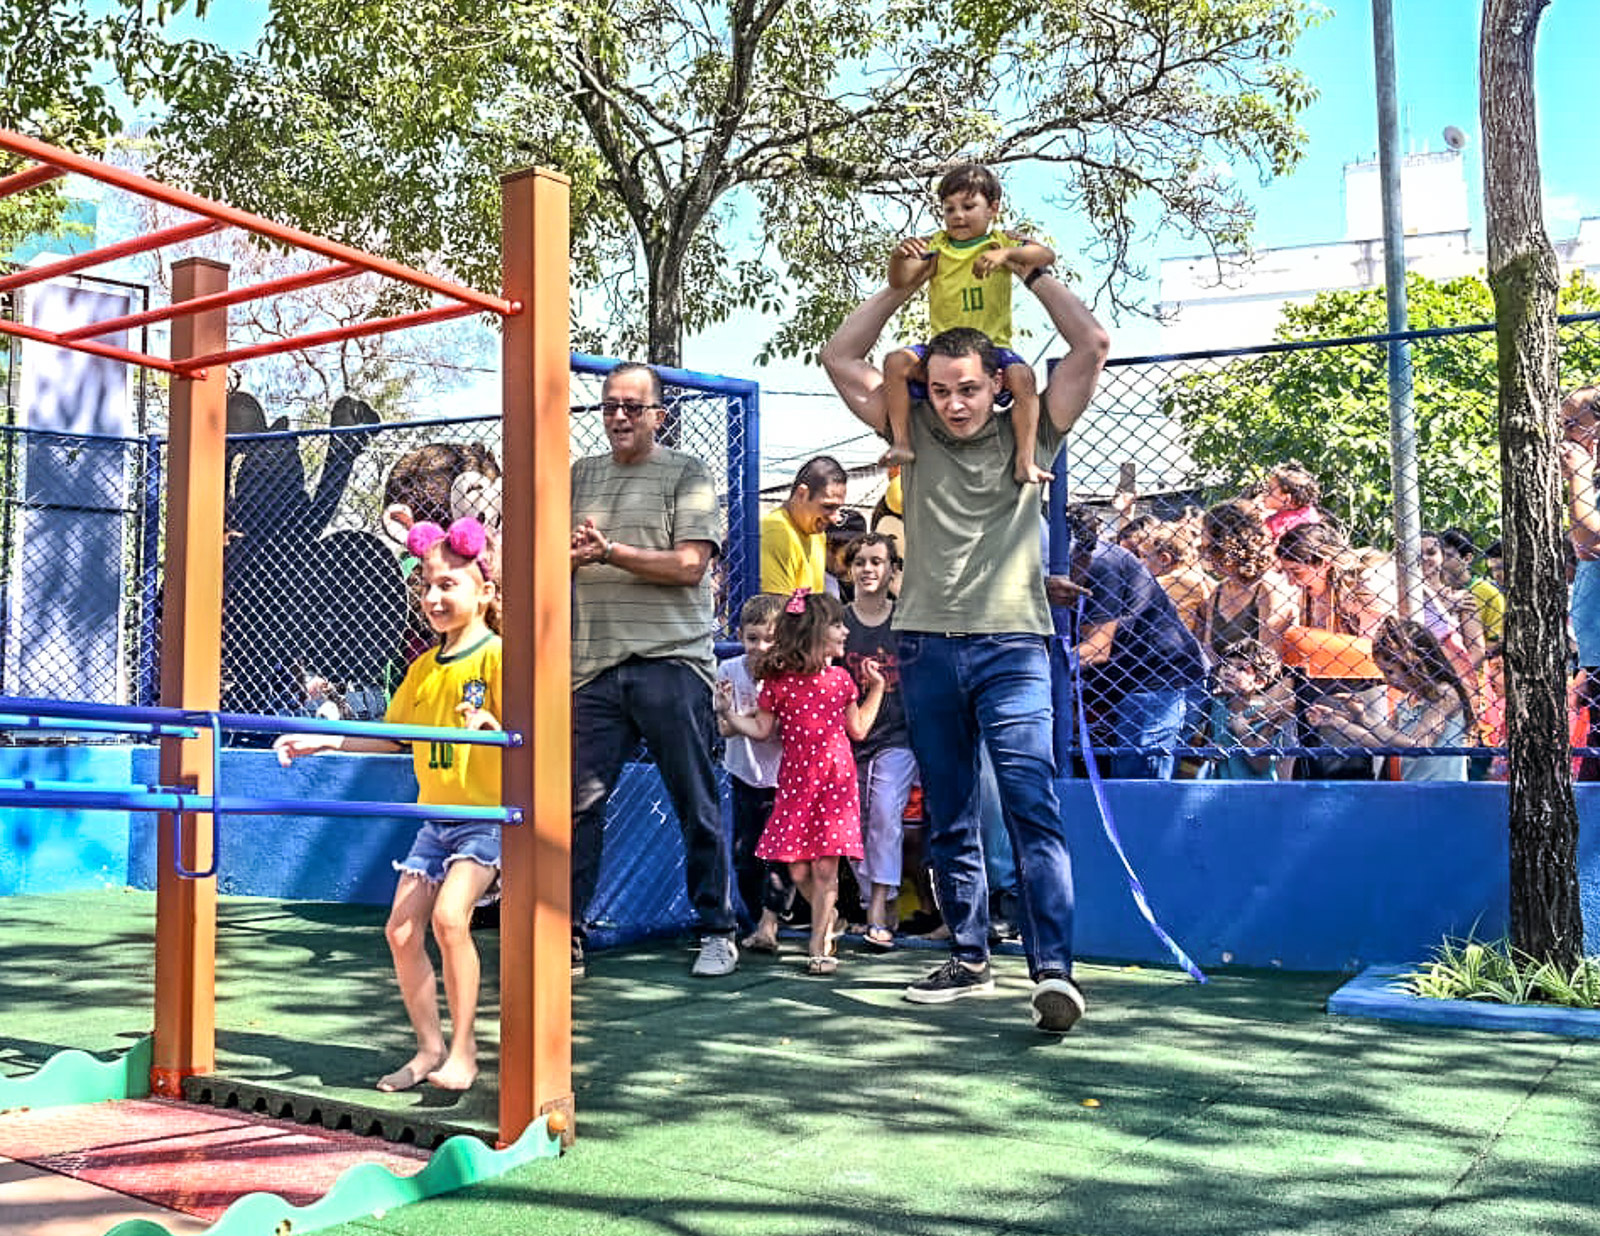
536,914
29,178
110,253
43,152
234,296
312,339
23,331
191,663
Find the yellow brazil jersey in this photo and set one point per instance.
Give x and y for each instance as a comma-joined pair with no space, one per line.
452,774
957,297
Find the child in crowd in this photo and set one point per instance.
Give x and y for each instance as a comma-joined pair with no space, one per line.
1431,708
1290,497
816,819
1171,552
957,263
753,774
451,866
1253,707
885,766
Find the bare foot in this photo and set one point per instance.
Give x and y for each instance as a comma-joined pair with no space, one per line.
897,455
1029,473
411,1072
454,1075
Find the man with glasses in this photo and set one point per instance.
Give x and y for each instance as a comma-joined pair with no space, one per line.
646,523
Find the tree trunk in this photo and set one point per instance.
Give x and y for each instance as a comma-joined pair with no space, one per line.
665,326
1546,917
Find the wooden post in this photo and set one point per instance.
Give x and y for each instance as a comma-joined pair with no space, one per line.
191,661
536,913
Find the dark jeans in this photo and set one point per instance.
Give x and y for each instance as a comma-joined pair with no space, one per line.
762,885
960,690
668,705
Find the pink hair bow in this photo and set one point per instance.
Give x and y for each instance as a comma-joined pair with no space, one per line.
466,538
797,601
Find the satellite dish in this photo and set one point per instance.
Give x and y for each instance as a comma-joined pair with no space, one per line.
1454,137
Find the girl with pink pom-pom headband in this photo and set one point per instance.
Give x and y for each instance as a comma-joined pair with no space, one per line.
466,538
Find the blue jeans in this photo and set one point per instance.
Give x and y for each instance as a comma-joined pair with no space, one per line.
667,704
960,690
1149,719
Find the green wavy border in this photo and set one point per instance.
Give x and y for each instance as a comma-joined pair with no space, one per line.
368,1188
71,1078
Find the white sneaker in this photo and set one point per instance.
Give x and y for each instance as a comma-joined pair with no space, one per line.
718,956
1057,1002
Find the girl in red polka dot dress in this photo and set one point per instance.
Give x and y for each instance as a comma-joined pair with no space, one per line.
811,702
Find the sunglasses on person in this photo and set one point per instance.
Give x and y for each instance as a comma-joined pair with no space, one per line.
610,407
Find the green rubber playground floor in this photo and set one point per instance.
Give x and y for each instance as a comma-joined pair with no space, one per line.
776,1104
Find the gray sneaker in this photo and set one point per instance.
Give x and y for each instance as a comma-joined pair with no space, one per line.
1057,1002
718,956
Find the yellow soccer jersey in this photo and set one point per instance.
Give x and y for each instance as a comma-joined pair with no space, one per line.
957,297
452,774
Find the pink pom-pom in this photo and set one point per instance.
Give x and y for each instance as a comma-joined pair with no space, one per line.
467,538
423,537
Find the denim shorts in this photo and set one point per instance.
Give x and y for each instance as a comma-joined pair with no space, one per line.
438,845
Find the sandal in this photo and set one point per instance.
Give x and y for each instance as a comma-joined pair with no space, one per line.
822,965
878,936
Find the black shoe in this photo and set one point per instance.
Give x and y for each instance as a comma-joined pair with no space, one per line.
1057,1002
951,981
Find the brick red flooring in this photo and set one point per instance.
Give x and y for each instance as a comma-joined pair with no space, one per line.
197,1160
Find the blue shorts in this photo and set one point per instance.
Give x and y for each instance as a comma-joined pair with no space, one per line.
437,845
919,390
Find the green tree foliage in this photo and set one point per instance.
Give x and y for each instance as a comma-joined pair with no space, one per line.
1328,406
755,154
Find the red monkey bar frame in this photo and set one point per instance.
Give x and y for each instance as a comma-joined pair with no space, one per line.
536,1003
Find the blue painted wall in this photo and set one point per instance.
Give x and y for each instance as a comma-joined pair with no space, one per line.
1300,875
61,851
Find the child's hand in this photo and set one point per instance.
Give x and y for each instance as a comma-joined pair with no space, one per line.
990,260
872,672
722,698
291,747
475,718
913,249
1318,714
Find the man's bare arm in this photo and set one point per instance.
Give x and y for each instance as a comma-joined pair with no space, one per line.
844,357
1073,380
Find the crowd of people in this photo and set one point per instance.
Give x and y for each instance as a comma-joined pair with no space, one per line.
892,712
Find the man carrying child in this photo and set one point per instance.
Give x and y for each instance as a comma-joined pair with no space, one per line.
973,627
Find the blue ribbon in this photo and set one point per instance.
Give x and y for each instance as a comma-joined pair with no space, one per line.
1108,821
1060,563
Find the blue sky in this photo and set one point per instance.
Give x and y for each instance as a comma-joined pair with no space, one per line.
1436,45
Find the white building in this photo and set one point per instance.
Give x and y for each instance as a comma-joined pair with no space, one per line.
1239,305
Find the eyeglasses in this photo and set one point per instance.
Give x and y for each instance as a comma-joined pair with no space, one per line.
610,407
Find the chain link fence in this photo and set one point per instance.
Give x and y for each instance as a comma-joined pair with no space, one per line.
1255,613
317,611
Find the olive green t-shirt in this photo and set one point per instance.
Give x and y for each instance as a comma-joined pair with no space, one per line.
663,502
972,556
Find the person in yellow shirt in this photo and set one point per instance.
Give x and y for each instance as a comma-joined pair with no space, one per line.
794,546
956,263
451,866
